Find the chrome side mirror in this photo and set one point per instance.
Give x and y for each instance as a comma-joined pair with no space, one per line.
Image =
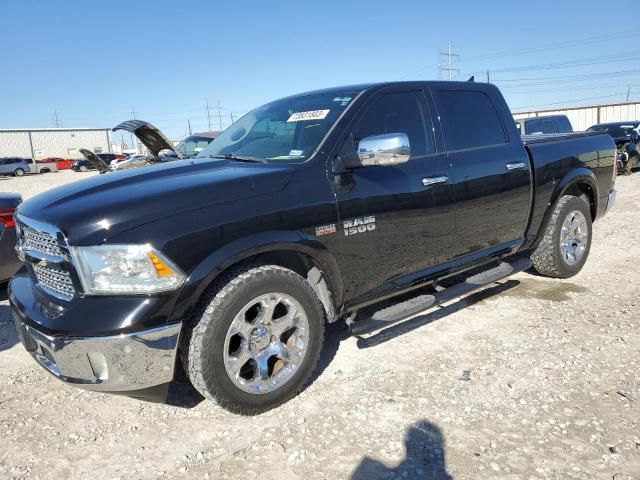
387,149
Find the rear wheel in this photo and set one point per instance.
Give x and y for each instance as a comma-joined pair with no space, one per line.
18,172
564,249
255,340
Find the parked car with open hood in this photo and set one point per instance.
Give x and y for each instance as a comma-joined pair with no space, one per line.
626,135
84,164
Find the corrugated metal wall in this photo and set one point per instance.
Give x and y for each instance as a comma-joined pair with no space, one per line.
583,117
14,144
63,143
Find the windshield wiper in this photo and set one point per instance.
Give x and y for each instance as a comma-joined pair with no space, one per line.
231,156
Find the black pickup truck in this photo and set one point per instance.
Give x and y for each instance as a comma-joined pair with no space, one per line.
304,211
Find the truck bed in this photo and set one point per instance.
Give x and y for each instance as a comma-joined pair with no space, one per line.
554,137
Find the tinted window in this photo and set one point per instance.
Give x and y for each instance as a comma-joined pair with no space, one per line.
549,126
564,126
468,119
535,126
400,112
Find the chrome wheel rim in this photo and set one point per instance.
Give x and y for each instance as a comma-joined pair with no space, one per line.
266,343
574,237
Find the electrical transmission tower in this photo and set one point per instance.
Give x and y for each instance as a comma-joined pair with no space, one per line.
56,119
450,60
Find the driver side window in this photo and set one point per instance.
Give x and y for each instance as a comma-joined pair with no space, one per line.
400,112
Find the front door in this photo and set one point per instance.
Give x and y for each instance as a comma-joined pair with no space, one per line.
393,224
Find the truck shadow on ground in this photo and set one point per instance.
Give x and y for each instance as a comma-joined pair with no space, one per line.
440,312
424,459
8,334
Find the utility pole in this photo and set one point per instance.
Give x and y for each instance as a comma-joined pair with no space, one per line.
231,115
133,115
488,77
208,115
189,123
449,68
219,117
628,92
56,119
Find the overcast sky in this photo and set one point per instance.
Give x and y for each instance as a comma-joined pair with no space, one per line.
93,62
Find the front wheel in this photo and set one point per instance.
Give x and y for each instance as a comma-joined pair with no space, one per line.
255,339
18,172
83,168
564,249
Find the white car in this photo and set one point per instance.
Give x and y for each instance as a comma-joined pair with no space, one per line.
131,162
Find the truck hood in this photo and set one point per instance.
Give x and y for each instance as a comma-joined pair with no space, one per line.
91,211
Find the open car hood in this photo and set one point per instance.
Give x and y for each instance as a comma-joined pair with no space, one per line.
95,160
150,136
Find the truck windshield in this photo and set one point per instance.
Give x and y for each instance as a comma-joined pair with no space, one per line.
287,130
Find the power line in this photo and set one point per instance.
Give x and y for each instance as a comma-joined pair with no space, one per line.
531,50
568,101
565,64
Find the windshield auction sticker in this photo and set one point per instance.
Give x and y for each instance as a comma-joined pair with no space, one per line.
310,115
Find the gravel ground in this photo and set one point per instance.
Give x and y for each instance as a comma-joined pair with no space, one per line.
530,378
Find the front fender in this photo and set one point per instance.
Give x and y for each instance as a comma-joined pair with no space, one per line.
249,246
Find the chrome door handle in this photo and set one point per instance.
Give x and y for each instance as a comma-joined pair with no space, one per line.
515,166
428,181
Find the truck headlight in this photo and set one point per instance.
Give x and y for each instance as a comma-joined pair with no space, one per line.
125,269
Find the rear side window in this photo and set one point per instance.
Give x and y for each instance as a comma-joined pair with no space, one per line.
549,126
533,127
564,126
399,112
468,119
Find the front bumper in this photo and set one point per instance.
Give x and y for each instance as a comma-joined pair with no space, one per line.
119,363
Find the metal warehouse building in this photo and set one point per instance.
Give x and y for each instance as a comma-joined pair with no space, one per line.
40,143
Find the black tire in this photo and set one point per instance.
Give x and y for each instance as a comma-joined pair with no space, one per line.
82,168
18,172
202,346
547,257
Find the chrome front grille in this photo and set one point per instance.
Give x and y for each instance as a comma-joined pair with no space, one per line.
54,279
46,252
40,242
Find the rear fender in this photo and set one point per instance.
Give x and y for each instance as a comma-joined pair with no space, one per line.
575,177
250,246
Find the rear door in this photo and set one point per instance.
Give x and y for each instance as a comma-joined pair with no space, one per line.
491,171
392,224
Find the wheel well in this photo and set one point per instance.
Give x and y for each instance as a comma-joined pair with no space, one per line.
303,265
585,191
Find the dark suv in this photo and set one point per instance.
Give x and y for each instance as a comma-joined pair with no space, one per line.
84,165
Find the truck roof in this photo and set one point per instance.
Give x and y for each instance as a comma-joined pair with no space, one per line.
357,88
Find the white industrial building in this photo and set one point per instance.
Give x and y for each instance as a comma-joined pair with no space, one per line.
40,143
582,118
